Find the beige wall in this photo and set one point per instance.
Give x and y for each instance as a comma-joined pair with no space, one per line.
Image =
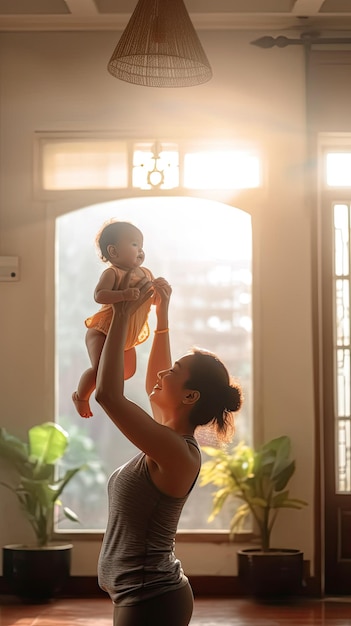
58,81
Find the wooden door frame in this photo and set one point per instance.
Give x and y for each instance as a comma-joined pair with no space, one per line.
333,568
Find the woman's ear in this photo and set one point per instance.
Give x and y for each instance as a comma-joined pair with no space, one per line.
191,396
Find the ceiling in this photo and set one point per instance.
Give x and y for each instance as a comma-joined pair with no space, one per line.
277,15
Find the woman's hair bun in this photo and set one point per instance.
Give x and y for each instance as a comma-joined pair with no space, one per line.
234,397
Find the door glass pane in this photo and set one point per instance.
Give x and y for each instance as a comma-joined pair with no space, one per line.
341,230
342,345
344,445
204,249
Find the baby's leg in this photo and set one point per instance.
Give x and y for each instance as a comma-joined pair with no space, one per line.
129,363
94,340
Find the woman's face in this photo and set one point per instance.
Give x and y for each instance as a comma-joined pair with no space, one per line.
170,390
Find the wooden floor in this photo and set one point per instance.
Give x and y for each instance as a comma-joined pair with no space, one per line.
207,612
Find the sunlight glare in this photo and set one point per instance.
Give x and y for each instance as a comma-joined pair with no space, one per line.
338,169
221,169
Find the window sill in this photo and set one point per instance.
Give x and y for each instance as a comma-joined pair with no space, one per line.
215,536
183,536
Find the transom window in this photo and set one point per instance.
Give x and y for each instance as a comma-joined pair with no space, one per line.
104,163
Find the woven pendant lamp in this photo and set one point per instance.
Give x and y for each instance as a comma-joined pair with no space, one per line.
160,48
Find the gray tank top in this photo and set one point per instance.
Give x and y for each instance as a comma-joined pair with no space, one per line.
137,559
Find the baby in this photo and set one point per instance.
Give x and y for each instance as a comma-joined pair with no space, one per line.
120,244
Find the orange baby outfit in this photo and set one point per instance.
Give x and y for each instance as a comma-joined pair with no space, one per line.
138,329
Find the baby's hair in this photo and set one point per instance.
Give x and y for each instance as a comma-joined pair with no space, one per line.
220,395
109,234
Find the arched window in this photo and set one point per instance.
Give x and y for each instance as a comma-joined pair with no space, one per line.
204,249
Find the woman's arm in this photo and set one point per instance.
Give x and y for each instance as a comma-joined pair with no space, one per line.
160,354
168,451
131,419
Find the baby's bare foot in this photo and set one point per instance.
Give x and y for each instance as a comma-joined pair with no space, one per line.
82,406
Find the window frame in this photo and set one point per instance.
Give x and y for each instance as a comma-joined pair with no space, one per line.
185,146
60,202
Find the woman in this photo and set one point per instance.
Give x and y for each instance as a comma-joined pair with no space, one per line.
137,564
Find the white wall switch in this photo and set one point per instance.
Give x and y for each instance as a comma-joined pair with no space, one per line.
9,268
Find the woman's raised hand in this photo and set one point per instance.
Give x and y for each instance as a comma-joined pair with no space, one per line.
162,290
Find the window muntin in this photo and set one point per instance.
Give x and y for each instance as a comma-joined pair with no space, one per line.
155,166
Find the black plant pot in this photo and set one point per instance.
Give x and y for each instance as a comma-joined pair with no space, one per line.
275,574
36,574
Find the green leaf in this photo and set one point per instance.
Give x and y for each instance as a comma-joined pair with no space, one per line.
280,447
71,515
219,499
279,499
47,442
293,503
282,473
238,520
35,464
260,502
214,452
12,449
61,483
258,478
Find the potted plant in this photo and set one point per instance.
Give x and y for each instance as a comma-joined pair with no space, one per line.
258,478
37,571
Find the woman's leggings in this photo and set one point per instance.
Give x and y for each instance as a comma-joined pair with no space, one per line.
173,608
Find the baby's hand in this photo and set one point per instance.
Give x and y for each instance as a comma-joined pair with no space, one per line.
132,293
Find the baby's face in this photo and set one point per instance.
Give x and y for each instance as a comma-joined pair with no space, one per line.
129,249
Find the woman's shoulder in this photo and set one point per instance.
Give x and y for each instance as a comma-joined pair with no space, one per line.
192,440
